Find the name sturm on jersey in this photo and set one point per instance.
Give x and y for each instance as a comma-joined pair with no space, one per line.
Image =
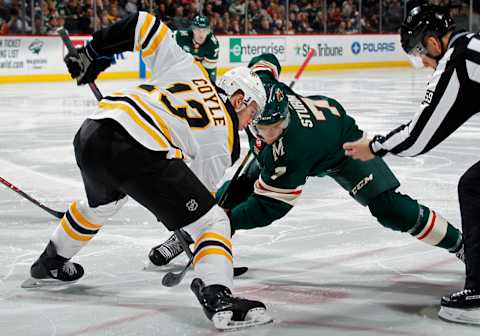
301,110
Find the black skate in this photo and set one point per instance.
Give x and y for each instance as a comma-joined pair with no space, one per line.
461,307
226,311
162,254
50,269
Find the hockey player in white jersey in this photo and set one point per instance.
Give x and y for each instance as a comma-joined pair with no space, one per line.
137,145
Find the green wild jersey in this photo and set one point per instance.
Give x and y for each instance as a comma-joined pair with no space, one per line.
207,53
310,146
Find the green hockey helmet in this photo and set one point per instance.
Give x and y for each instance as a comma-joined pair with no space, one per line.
200,21
269,125
266,63
276,107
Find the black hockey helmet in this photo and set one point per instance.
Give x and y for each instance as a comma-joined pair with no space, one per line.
423,19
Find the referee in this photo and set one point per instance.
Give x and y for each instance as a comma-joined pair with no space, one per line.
452,97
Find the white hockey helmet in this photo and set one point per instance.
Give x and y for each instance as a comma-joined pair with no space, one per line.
241,78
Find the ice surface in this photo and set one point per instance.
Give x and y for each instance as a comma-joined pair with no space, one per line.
327,268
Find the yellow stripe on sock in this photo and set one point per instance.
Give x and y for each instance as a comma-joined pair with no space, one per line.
69,231
211,251
213,235
81,219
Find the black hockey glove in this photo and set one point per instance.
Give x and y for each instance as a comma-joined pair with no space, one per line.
85,64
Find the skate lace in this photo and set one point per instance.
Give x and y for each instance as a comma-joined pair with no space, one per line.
171,248
69,268
225,298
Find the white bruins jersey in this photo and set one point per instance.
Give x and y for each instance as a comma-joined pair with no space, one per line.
179,111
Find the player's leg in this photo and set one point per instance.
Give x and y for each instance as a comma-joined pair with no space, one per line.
83,219
180,201
402,213
464,306
373,184
172,192
241,189
213,259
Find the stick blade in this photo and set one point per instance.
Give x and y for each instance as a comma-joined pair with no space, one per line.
172,279
237,271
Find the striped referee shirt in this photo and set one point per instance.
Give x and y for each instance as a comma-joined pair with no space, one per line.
452,97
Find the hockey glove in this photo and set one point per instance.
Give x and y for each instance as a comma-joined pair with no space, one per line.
85,64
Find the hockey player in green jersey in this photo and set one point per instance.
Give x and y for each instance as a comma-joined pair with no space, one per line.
201,43
298,137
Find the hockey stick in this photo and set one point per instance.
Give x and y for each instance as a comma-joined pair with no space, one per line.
300,70
57,214
172,279
68,43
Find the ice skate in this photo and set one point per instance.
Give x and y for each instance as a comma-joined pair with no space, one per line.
164,253
51,270
226,311
461,307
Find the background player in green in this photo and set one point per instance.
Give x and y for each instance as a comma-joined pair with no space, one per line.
298,137
201,43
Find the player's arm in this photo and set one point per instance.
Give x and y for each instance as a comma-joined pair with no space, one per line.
210,60
441,113
275,192
138,32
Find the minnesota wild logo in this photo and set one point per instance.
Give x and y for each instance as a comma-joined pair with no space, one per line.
35,47
279,94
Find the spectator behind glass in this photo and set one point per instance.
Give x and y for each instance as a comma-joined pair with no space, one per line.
4,12
237,7
393,16
131,6
179,21
15,24
85,22
318,22
264,26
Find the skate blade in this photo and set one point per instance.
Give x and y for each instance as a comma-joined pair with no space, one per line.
466,316
41,283
151,267
255,317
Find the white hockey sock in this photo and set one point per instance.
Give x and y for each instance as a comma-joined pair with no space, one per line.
80,224
213,260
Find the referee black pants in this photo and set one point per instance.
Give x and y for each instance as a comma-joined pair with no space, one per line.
113,165
469,197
